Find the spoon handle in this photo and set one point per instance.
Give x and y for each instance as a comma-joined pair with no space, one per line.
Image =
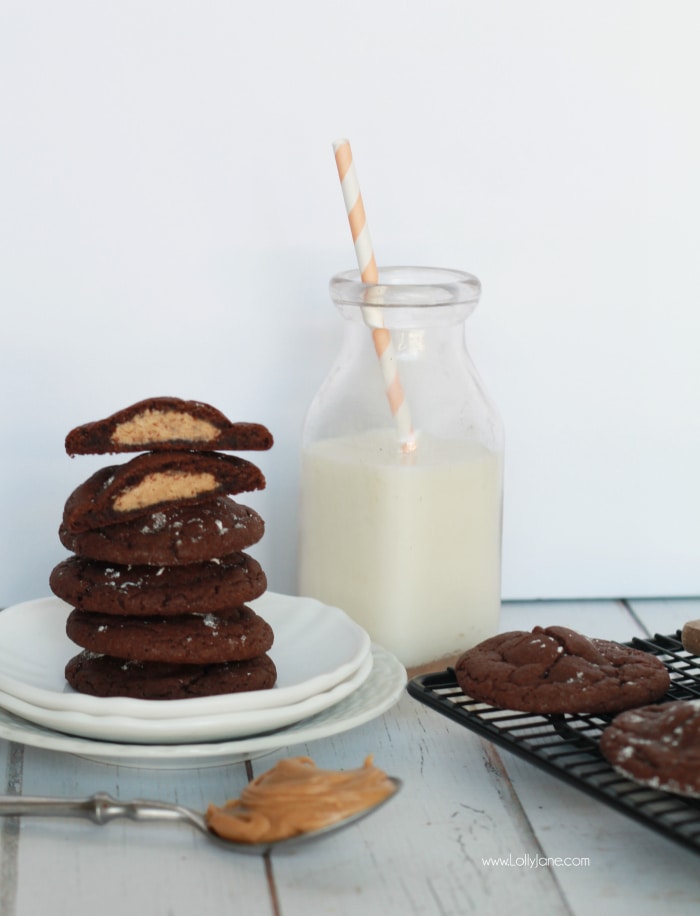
99,808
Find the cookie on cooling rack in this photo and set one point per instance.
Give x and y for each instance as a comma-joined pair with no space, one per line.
658,746
557,670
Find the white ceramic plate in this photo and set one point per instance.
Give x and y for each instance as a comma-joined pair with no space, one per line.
378,693
185,729
316,647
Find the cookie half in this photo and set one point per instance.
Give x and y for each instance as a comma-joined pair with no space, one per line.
153,481
203,588
557,670
236,635
658,746
166,423
171,536
103,676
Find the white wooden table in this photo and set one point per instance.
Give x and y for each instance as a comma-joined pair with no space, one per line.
424,853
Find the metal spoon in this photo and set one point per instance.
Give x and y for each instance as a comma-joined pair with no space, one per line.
101,808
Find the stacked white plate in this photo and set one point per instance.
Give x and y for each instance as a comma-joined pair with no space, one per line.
330,678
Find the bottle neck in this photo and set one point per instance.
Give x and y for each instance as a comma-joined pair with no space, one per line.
405,318
429,291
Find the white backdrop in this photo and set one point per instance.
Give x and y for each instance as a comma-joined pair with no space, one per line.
170,216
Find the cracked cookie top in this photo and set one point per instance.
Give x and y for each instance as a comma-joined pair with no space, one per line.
557,670
658,746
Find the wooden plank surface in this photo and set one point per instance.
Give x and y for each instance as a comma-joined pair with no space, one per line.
463,803
423,853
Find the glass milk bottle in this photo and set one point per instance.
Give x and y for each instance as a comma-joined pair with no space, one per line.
403,531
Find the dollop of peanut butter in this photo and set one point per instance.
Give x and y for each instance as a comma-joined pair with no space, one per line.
294,797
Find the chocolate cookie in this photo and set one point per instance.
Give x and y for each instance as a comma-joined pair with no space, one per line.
153,481
556,670
171,536
103,676
658,746
235,635
166,423
90,585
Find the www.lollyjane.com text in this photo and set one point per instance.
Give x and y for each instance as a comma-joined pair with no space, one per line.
537,861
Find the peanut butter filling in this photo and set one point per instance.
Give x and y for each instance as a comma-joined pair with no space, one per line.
164,485
294,797
163,426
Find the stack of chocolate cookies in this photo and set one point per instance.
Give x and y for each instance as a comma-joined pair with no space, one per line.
158,578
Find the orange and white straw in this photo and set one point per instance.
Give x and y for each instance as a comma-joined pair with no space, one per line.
366,261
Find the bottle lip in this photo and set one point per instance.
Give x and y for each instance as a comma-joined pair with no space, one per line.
403,286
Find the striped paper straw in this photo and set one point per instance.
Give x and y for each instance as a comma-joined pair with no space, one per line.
369,274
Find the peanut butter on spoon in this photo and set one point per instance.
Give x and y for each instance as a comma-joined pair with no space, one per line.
295,797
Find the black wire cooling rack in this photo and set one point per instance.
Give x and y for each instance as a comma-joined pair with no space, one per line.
566,746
